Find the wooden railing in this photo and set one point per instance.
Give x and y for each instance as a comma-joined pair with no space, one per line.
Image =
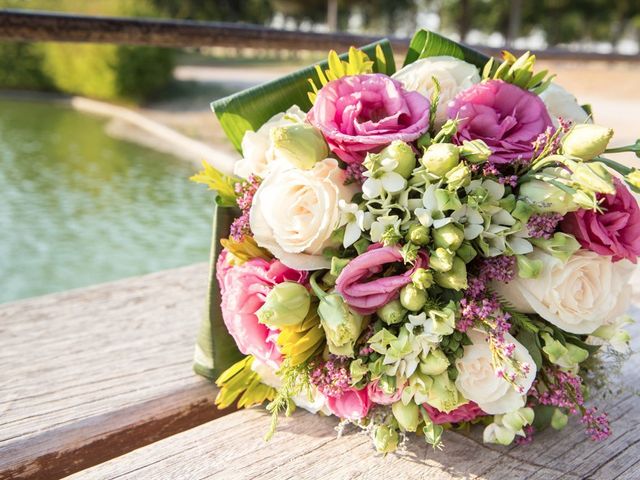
23,25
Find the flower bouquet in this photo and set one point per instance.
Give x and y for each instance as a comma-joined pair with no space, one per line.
413,250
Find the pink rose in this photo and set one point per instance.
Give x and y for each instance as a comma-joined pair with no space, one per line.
352,404
615,231
379,396
364,113
364,295
464,413
506,117
243,289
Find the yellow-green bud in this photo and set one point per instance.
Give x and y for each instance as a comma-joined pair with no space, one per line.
301,144
458,177
286,304
450,236
434,363
439,158
418,235
585,200
558,419
586,141
593,176
385,439
547,197
475,151
412,298
408,416
456,278
392,312
403,154
342,326
443,394
441,259
634,178
422,278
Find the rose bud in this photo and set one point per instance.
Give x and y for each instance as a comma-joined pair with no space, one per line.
475,151
439,158
408,416
385,439
456,278
450,236
301,144
403,154
586,141
412,298
392,312
286,304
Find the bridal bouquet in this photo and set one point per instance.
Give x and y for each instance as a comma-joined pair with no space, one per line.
443,245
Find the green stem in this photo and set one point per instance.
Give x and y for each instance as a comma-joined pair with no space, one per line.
315,287
618,167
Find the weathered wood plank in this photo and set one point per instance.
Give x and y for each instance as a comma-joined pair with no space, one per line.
306,447
90,374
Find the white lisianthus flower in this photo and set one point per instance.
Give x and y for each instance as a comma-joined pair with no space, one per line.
578,296
453,75
312,401
257,148
562,104
355,221
294,212
478,381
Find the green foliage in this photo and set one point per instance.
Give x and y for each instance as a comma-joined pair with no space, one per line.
21,67
429,44
518,71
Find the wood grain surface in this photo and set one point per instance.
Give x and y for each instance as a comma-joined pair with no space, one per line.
90,374
306,447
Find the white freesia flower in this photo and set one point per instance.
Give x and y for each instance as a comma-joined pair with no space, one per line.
355,221
384,179
578,296
294,212
257,148
380,225
453,75
563,104
478,381
312,401
431,213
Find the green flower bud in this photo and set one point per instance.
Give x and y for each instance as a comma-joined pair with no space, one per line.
458,177
475,151
392,312
418,235
422,278
403,154
519,419
586,141
441,260
286,304
466,252
342,326
547,197
385,439
408,416
494,433
586,200
439,158
634,178
300,144
450,236
434,363
593,177
558,419
443,394
412,298
528,267
357,370
561,245
456,278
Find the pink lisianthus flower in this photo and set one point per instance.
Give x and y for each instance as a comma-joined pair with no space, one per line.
353,404
379,396
366,296
243,289
364,113
615,231
464,413
506,117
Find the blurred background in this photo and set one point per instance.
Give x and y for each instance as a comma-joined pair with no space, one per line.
96,191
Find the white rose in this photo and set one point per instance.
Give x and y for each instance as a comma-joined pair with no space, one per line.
257,150
561,103
312,401
578,296
477,380
294,212
453,75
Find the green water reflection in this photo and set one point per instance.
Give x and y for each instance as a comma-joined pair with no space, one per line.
78,207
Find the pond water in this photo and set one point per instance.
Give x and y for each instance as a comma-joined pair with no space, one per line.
78,207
